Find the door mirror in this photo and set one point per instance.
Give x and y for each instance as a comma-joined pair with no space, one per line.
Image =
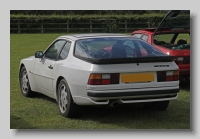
38,54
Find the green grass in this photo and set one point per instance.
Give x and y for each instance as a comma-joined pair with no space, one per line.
41,112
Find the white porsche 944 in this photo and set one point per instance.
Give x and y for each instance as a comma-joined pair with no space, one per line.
100,69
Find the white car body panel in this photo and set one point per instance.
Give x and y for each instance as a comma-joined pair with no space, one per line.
42,74
77,72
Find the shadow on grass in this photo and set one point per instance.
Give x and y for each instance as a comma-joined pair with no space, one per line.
135,116
43,97
185,85
19,123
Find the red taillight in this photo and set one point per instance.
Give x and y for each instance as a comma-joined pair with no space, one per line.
107,81
94,81
163,76
169,78
103,79
182,60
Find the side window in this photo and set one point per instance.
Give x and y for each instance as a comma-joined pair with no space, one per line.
81,50
145,38
137,35
65,51
54,49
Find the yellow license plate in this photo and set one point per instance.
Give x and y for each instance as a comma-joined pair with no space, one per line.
137,77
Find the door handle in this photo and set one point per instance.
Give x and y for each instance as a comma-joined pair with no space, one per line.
50,66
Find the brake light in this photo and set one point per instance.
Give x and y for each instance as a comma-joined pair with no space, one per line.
103,79
182,60
163,76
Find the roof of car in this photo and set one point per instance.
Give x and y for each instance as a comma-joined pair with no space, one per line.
92,35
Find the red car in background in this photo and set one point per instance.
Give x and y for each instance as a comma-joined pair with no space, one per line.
172,37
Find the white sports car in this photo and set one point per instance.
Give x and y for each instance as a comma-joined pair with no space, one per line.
100,69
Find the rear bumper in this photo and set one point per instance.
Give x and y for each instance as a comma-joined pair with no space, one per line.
103,97
132,93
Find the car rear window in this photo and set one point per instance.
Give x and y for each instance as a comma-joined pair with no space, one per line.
115,47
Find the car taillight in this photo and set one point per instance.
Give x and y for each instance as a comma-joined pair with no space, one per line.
163,76
182,60
103,79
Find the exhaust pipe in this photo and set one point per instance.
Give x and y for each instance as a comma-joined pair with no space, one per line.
114,103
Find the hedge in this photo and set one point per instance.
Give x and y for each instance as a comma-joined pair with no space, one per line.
109,23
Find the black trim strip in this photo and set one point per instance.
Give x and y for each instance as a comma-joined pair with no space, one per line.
127,60
134,88
139,93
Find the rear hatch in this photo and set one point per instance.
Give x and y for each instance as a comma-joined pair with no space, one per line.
174,20
173,33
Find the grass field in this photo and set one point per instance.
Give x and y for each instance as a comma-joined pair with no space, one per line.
41,112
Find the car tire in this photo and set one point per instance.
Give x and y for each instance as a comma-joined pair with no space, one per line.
24,83
157,106
66,105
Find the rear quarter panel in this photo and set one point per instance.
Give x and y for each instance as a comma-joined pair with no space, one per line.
76,72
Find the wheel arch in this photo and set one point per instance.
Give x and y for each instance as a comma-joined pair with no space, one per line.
21,65
57,83
31,81
31,93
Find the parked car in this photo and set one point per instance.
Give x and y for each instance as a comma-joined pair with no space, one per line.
172,37
78,70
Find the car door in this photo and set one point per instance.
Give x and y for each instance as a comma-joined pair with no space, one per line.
44,67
